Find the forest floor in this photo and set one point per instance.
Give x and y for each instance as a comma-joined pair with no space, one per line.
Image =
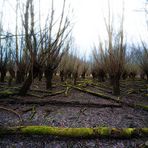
66,106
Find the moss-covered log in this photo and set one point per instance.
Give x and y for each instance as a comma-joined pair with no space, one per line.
76,132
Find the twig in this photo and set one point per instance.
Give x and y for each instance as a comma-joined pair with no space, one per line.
12,111
33,113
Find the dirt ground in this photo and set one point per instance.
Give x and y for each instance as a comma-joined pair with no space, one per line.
74,110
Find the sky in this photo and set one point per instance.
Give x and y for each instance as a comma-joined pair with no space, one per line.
88,19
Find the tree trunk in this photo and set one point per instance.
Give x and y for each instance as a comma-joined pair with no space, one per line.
116,87
26,86
18,77
3,74
40,75
62,75
75,76
49,76
29,79
12,76
75,81
147,75
83,75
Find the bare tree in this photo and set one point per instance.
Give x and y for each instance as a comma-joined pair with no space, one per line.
44,51
56,46
31,46
116,52
99,70
84,67
142,58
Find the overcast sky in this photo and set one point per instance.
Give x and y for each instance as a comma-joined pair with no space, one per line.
88,18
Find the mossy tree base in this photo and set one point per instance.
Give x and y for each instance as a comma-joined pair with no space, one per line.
101,132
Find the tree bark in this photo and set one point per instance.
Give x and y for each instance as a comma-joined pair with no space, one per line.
49,76
19,77
147,76
116,87
62,75
3,73
26,86
32,75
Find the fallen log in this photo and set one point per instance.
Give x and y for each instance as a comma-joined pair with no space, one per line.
61,103
46,95
55,93
93,93
116,99
102,132
40,90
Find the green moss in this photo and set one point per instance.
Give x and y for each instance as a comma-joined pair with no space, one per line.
55,131
103,131
6,92
35,129
127,132
145,107
76,132
144,131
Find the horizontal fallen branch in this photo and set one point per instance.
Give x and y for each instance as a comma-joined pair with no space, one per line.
105,96
40,90
54,93
60,103
46,95
101,132
11,111
94,93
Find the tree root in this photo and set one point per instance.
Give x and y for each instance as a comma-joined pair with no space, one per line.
102,132
12,111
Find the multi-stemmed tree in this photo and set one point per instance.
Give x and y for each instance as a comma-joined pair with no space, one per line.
114,52
57,45
44,52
